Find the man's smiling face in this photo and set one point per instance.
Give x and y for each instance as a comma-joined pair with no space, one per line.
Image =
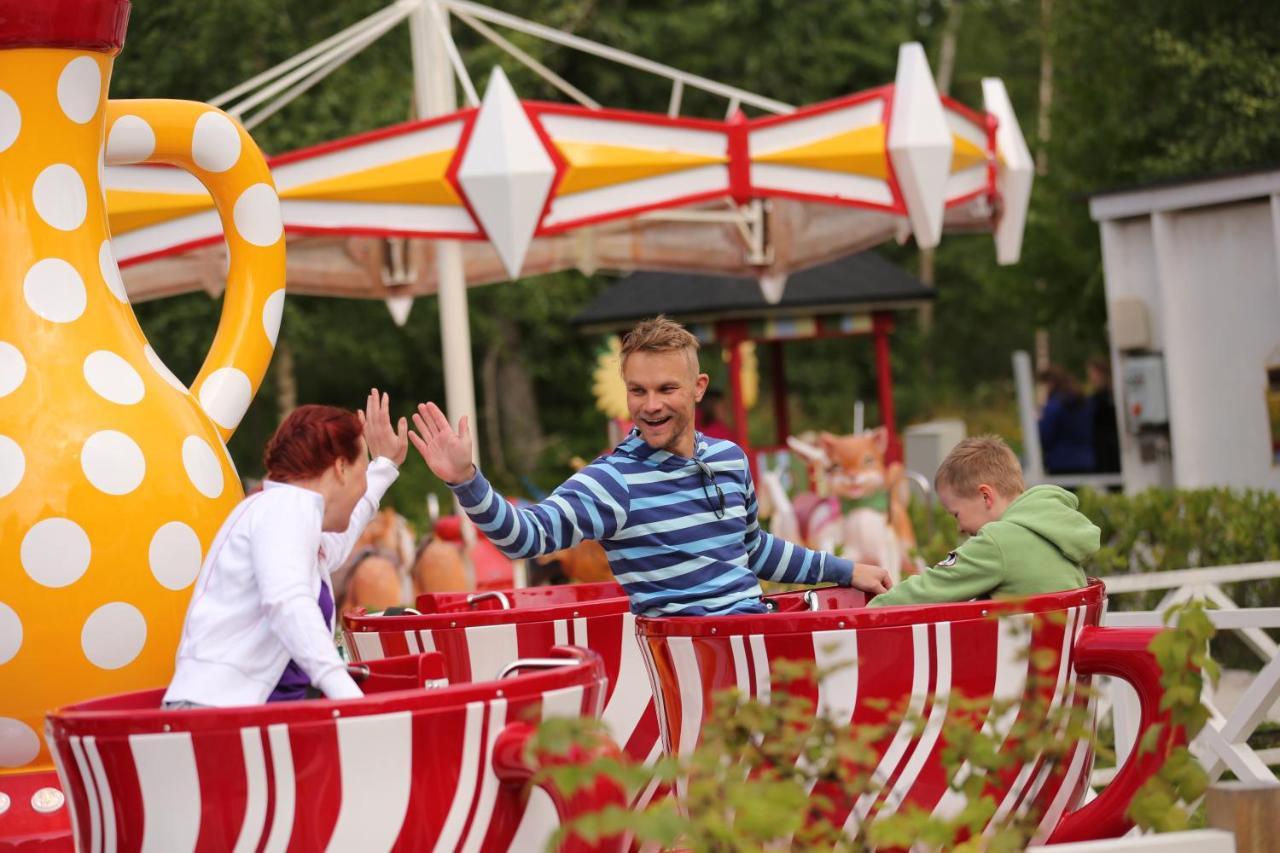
662,390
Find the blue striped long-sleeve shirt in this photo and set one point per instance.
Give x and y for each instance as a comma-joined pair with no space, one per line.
659,516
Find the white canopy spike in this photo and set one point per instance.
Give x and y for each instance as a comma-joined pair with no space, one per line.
1015,172
920,144
506,172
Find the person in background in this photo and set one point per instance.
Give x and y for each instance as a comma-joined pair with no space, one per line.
1106,440
674,509
713,415
1066,425
260,624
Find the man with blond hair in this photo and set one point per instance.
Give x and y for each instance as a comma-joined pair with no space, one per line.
1021,541
675,510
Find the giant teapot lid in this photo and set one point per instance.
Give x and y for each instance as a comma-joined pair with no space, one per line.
82,24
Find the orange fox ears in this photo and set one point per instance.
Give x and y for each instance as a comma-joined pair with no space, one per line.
880,435
828,441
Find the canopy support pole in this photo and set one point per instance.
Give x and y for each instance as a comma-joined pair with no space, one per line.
434,95
781,417
882,326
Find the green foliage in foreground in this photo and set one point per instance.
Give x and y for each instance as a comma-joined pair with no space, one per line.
766,775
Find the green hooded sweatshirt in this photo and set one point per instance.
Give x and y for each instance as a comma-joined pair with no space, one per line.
1036,546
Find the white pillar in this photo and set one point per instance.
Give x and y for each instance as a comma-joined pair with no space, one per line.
434,94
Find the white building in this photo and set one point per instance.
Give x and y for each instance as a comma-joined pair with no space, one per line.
1193,292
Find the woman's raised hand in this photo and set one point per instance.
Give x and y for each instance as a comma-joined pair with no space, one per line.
447,453
378,434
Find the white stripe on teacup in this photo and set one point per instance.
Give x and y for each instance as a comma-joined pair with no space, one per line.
368,645
170,786
488,779
283,779
932,727
255,802
906,730
378,746
760,660
1013,645
104,795
1014,794
490,648
91,794
461,805
631,694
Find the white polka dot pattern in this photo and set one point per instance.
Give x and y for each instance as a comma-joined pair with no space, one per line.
13,465
54,290
162,370
18,743
225,396
10,120
215,143
113,635
272,312
60,197
113,462
257,215
112,378
131,140
111,272
55,552
174,555
202,466
10,633
79,88
13,368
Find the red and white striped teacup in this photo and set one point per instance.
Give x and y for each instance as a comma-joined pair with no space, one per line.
923,659
399,769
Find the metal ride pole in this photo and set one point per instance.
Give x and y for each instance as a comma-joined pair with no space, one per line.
434,95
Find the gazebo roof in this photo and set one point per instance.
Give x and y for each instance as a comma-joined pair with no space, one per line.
855,284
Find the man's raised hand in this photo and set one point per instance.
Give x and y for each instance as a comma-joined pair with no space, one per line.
384,441
447,453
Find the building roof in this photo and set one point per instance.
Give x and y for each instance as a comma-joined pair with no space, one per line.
857,283
1184,193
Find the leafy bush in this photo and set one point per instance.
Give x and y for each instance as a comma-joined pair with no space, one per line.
1155,531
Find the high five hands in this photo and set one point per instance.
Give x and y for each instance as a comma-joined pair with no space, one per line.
447,453
382,440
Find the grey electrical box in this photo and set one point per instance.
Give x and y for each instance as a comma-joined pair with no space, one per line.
1145,401
927,444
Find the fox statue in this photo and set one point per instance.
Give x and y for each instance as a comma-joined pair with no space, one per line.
864,509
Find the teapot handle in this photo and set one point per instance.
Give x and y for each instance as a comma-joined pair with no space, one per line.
214,148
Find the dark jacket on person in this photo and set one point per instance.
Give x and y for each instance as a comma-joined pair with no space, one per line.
1066,435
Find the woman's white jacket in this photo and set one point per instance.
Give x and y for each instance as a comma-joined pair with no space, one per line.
255,602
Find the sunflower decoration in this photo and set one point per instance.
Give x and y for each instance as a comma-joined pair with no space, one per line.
606,380
611,392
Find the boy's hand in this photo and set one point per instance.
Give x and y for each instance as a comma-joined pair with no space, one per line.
447,453
872,580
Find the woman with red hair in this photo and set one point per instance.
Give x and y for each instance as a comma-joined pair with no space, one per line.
260,623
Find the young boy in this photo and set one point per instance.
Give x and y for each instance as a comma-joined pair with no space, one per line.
1020,542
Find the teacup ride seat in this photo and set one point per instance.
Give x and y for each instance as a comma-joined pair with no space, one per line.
479,633
910,662
424,761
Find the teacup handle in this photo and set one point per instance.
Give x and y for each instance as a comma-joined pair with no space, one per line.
513,764
214,148
1121,653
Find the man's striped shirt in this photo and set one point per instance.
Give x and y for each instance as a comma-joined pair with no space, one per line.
673,544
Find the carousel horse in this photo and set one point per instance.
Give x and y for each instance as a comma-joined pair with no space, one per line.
378,573
864,510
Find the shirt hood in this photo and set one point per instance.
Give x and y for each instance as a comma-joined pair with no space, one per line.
636,448
1051,512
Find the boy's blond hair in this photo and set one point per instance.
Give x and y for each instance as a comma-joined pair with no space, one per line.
981,459
660,335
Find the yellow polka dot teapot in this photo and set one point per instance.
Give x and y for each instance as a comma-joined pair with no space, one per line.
114,477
